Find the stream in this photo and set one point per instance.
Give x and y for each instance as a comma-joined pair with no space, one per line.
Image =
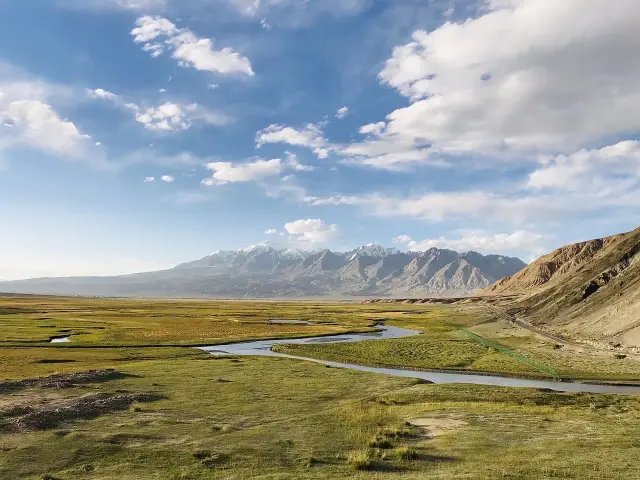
263,348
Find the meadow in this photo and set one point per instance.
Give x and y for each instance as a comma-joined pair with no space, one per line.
210,417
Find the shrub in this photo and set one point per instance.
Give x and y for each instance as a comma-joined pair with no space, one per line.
361,459
405,452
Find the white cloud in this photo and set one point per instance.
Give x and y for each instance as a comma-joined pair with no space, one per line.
379,150
98,144
175,117
212,86
292,162
167,117
167,178
311,231
375,128
100,93
342,112
518,241
162,90
527,75
149,179
266,25
517,207
615,167
37,124
227,172
271,231
189,49
311,136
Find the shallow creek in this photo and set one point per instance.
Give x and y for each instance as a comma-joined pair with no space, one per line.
263,347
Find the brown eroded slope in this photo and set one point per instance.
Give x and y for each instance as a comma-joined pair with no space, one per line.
587,290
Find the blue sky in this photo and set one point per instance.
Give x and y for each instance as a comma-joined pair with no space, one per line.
137,134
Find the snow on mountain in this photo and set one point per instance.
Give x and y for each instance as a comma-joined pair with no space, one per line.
264,271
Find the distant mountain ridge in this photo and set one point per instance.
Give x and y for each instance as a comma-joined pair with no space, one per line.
263,271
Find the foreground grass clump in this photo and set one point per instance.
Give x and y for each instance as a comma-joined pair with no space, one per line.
362,459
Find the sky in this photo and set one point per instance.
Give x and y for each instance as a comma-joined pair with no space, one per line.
139,134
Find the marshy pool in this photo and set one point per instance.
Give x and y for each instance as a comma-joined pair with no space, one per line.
263,348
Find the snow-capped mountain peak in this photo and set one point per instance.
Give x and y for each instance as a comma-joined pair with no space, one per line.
373,250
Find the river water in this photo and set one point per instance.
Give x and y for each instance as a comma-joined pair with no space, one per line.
263,348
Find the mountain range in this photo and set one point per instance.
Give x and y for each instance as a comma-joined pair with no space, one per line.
263,271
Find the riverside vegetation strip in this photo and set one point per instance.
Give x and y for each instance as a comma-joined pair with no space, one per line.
262,417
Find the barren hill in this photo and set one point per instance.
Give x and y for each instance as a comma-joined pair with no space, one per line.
584,290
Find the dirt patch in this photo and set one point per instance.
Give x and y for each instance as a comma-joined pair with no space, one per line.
62,380
434,427
90,406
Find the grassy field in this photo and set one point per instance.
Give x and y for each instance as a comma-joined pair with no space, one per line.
274,418
444,346
279,418
34,320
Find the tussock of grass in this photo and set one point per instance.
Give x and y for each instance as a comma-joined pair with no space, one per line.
361,459
405,452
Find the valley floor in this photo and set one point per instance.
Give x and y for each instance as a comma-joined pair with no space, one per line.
167,411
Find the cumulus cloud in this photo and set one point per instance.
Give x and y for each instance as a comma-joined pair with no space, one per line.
311,136
518,241
342,112
524,78
517,207
100,93
158,34
271,231
227,172
149,179
311,230
378,150
527,75
292,162
614,167
167,117
167,178
35,123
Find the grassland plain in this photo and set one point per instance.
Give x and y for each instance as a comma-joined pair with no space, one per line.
275,418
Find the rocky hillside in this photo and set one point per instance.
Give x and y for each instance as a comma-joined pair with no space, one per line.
588,289
266,272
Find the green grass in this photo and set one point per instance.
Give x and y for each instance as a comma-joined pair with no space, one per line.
276,418
444,346
31,320
279,418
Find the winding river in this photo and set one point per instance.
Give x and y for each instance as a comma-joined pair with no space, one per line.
263,348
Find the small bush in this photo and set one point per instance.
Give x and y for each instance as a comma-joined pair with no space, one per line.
380,442
405,452
361,459
202,454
